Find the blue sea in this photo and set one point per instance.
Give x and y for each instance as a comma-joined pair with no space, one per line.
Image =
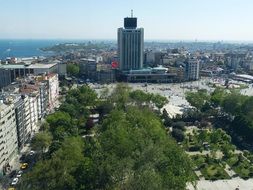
28,48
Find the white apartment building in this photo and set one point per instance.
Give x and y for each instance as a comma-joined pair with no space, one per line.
34,105
33,108
53,90
8,135
27,116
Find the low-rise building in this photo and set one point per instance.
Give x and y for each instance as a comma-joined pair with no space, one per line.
5,77
153,75
22,70
88,68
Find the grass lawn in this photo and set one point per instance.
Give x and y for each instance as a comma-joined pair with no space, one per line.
211,171
198,160
214,172
244,169
231,161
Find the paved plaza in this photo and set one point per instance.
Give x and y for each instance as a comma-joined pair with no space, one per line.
231,184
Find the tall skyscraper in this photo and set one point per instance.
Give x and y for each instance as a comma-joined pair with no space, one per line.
130,45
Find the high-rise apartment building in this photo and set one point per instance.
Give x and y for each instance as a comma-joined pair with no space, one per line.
8,135
192,69
130,45
23,127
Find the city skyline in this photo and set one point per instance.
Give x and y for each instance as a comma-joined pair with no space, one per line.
227,20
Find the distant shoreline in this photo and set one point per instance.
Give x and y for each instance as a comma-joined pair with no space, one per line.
146,40
45,47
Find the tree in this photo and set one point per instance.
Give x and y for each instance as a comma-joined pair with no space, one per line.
141,98
57,172
179,125
178,134
104,108
167,119
41,141
203,136
243,127
120,96
217,97
232,103
227,150
85,175
247,107
90,124
61,125
216,136
45,126
59,119
146,179
159,101
198,99
73,69
130,149
133,148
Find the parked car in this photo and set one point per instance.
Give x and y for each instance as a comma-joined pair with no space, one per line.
14,181
32,153
19,174
23,166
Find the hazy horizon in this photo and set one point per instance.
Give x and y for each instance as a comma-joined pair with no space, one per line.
115,40
209,20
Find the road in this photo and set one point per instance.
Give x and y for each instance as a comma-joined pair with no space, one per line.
15,163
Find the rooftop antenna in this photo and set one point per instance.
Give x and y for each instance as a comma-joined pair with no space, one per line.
132,13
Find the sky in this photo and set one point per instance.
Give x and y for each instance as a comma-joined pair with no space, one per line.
202,20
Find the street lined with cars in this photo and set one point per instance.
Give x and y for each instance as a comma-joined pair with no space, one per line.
22,165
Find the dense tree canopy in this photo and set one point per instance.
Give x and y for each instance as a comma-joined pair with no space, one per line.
123,95
133,145
41,141
141,98
198,99
56,172
130,148
217,97
239,107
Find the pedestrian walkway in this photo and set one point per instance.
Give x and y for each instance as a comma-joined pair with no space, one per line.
199,174
229,171
230,184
